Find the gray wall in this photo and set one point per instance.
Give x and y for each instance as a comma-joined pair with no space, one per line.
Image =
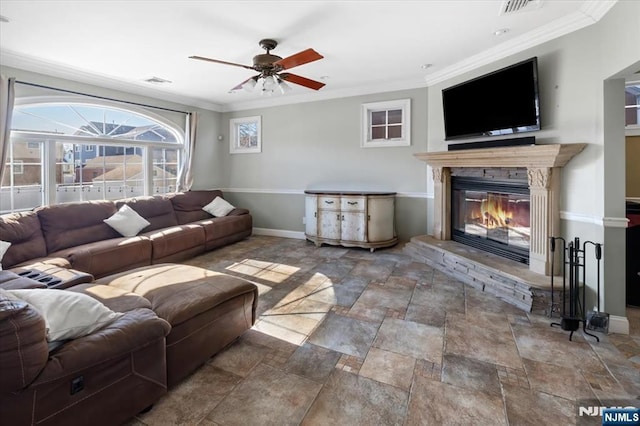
317,145
581,97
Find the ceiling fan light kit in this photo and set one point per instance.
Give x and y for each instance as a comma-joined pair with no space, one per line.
270,67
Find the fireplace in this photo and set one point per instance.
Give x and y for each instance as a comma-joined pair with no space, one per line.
538,167
492,216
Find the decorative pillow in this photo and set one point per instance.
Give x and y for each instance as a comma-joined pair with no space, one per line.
218,207
4,246
67,314
127,222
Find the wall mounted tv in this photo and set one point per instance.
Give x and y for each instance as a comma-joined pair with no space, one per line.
503,102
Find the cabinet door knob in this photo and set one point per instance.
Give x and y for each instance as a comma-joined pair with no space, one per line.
352,203
315,214
368,217
338,216
328,202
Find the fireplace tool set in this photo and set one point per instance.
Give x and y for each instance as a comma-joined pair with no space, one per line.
574,261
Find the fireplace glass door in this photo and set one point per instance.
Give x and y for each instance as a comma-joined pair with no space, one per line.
492,216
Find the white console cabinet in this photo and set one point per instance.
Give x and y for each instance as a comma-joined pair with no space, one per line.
350,218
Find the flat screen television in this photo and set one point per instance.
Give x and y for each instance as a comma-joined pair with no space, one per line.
503,102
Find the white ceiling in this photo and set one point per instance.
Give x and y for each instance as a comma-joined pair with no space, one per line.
368,46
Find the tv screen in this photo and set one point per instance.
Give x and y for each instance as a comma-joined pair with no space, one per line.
500,103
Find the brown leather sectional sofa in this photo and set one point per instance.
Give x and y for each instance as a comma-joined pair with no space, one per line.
73,235
174,316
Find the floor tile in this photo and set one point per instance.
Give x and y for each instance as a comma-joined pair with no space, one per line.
267,396
567,383
410,338
312,362
349,399
436,403
531,407
191,400
346,335
389,367
240,358
470,373
464,337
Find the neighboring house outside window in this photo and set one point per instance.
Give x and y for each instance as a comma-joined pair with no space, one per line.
70,151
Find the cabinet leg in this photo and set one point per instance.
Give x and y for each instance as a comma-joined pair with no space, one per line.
318,244
372,249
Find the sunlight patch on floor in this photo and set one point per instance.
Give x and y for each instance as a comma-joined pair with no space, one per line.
269,271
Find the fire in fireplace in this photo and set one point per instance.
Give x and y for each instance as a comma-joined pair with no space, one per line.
492,216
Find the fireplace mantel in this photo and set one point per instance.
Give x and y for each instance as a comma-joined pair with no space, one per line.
556,155
543,163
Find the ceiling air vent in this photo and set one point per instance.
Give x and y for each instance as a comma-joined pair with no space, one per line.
513,6
157,80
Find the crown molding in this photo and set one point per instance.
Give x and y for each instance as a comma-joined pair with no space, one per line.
55,69
590,13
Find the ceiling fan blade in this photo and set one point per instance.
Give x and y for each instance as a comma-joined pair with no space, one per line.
302,81
299,58
201,58
239,86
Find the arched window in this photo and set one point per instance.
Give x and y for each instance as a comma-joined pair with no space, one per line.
64,151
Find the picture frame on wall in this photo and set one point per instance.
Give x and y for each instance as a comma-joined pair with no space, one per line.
245,135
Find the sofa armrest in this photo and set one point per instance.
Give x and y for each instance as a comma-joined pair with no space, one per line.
9,280
134,330
238,212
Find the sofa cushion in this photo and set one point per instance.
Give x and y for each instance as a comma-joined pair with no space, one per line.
127,222
221,227
188,205
166,242
158,210
23,347
73,224
23,231
67,315
106,257
180,292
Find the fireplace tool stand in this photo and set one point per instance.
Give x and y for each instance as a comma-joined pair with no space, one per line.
574,259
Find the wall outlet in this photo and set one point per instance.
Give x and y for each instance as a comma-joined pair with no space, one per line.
304,220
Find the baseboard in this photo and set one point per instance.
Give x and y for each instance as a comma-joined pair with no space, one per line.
618,324
279,233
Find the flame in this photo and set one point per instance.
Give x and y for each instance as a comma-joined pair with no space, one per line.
496,211
494,214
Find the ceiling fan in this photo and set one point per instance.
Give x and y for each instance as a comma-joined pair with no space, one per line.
270,69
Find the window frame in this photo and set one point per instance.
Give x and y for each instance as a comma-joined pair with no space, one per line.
404,105
48,141
637,106
234,125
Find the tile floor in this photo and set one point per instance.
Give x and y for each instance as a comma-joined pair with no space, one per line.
349,337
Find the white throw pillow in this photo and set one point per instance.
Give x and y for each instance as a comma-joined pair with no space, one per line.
218,207
4,246
127,222
67,314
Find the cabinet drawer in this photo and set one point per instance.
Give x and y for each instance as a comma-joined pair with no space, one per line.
329,202
353,203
